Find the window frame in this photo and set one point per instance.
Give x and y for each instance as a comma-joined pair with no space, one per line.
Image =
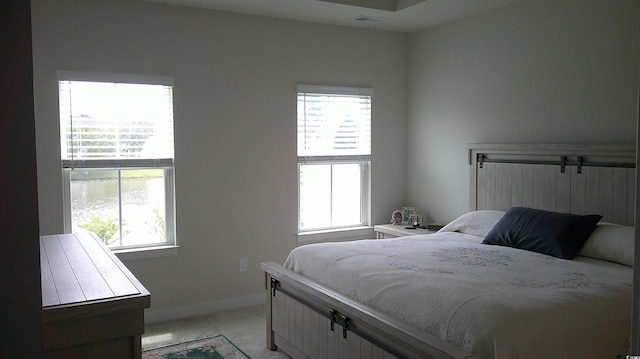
169,246
364,161
365,212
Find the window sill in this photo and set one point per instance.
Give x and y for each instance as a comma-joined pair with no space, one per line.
339,233
147,252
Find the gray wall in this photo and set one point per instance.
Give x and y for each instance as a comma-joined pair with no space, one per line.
235,128
543,71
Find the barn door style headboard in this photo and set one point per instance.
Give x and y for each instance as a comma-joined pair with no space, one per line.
580,179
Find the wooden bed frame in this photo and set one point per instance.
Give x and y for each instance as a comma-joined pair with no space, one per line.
308,320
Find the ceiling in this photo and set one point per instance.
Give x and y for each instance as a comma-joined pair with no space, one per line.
392,15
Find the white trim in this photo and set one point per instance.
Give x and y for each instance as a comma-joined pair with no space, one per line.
146,252
119,163
114,77
336,233
334,159
170,205
162,315
365,198
66,201
336,90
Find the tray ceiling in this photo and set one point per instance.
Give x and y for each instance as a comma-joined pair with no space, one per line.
392,15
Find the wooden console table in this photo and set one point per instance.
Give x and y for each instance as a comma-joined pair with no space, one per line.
92,306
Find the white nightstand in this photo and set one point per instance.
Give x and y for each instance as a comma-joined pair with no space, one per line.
397,230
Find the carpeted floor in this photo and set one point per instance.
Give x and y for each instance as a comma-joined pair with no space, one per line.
245,327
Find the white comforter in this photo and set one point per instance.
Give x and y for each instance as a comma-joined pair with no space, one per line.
495,302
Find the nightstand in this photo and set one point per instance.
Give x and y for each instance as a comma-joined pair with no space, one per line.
397,230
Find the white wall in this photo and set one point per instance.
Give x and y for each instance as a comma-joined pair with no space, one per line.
235,113
538,71
543,71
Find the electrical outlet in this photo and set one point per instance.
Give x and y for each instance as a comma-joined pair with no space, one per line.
243,265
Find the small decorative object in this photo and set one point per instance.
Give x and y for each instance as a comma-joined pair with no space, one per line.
407,214
417,221
396,217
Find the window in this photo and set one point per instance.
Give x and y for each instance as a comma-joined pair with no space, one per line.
116,140
334,156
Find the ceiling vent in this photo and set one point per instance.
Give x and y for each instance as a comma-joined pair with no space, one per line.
369,19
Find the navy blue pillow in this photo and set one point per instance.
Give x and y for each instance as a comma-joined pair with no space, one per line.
557,234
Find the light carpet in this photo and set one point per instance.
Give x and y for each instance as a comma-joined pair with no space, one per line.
245,327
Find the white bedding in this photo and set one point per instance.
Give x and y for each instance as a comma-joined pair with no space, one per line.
496,302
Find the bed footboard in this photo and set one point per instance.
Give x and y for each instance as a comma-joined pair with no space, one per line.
308,320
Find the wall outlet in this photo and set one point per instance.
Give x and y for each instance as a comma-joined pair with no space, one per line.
243,264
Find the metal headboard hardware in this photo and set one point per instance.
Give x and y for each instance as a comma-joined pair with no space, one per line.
563,161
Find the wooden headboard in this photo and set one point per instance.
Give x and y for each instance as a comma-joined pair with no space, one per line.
580,179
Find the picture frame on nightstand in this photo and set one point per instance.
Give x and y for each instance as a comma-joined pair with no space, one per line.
408,215
396,217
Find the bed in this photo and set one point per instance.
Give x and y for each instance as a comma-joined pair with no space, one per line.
449,295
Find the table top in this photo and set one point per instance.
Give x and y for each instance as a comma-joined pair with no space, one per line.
78,269
400,230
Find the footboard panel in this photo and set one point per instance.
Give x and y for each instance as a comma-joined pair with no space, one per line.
308,320
304,332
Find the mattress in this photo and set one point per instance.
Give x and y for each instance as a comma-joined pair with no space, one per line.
494,301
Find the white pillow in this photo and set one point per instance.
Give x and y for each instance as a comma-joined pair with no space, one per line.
477,223
610,242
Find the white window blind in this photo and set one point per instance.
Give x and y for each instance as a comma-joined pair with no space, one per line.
113,124
334,123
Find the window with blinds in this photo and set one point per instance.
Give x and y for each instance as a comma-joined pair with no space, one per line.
334,155
117,151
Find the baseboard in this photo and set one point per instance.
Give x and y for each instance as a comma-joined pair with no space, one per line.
162,315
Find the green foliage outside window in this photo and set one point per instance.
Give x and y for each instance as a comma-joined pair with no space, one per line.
158,224
103,228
